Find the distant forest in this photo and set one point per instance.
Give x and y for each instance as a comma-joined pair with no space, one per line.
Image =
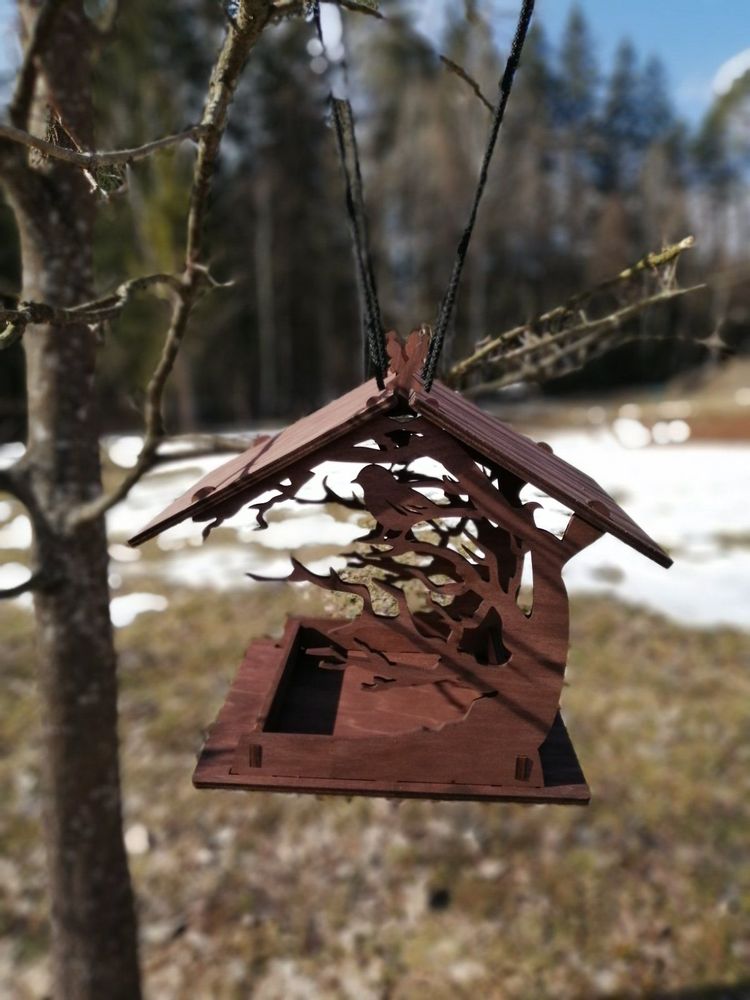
593,170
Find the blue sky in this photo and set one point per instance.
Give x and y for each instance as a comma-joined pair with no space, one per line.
694,38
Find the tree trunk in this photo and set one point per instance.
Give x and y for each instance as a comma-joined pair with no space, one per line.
94,938
94,950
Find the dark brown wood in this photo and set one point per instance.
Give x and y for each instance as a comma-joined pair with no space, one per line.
241,752
443,685
236,482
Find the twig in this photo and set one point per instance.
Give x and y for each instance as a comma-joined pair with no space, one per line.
655,259
242,34
98,158
39,37
614,320
13,332
34,582
96,311
121,295
460,72
149,458
652,262
538,328
520,364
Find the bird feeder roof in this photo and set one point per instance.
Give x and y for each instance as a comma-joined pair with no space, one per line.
244,477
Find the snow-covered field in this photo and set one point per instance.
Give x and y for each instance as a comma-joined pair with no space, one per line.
694,499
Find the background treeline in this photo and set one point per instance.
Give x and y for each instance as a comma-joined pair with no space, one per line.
593,170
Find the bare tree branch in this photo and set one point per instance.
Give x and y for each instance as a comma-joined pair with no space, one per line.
149,458
98,158
34,582
462,74
612,321
39,38
549,358
96,311
242,33
122,294
515,352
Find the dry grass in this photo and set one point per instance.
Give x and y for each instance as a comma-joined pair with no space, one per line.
645,893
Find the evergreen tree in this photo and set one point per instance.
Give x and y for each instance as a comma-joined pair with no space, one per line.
721,158
620,128
578,75
149,80
657,117
573,102
524,191
282,233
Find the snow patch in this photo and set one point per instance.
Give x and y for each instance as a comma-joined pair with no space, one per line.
124,610
16,534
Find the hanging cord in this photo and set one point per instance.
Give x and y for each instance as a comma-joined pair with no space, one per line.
343,122
449,299
375,357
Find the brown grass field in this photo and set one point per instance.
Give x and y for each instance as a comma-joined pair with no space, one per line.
646,893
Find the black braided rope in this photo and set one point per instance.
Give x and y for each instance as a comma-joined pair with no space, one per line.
343,122
373,325
447,305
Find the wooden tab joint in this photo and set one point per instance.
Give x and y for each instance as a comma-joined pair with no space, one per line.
523,768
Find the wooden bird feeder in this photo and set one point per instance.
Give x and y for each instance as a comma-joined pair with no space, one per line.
444,686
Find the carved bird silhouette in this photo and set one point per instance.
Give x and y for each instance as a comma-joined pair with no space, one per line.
394,505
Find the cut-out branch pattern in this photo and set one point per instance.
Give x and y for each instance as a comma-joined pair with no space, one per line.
460,538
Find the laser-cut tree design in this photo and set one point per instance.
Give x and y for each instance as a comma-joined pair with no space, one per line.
460,538
456,695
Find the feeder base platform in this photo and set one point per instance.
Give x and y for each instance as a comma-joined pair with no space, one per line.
279,710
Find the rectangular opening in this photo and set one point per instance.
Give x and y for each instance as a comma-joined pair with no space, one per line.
307,697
